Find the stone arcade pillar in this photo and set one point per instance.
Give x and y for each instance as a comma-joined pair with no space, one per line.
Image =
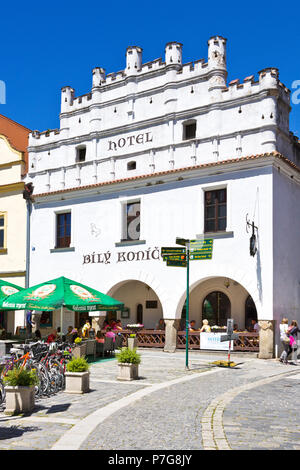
266,339
171,335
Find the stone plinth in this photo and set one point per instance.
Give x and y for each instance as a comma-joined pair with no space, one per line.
171,335
266,339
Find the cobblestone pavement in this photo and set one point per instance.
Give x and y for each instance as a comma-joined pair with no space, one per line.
252,406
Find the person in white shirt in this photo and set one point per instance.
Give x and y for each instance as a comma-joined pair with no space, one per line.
283,328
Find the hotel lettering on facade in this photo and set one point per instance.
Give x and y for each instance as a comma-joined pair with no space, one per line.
163,150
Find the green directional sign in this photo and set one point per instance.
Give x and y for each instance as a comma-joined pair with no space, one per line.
176,263
200,256
172,251
199,244
174,257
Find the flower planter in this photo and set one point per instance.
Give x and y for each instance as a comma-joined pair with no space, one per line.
128,371
19,399
77,382
132,343
79,350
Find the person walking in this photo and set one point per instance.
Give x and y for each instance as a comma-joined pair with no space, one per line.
284,338
292,332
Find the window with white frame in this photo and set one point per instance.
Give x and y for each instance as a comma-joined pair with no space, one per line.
63,230
2,231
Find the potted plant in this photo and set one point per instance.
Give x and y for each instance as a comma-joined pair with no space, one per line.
20,390
128,364
79,349
77,376
132,341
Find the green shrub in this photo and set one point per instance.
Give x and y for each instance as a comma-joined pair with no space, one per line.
19,377
128,356
78,365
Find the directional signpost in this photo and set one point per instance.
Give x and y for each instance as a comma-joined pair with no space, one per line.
230,336
174,256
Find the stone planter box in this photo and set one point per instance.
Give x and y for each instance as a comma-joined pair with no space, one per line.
128,371
132,343
19,399
77,382
79,350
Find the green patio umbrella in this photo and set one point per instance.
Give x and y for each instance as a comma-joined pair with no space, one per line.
7,289
59,293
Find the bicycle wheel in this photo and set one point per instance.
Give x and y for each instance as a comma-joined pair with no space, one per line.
57,369
44,380
2,393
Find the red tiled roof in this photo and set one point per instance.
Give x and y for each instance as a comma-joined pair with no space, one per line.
177,170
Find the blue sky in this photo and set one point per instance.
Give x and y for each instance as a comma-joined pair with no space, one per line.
45,46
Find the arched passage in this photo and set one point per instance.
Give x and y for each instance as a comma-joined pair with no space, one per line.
142,304
217,299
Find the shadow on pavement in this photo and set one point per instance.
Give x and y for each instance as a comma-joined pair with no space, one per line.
15,431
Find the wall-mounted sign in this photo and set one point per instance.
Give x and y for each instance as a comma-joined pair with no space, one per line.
129,141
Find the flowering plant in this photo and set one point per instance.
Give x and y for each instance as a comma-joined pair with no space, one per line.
136,325
78,340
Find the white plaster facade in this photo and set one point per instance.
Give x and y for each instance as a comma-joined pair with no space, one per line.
242,143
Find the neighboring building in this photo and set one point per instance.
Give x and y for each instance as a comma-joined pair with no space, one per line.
164,150
13,167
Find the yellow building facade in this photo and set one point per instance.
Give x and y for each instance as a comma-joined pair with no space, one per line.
13,213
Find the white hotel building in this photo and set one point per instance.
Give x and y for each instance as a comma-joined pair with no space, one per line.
163,150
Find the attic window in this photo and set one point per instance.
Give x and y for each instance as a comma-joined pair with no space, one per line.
81,153
131,166
189,130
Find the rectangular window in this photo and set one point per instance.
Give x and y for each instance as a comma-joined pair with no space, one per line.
215,211
131,221
63,230
46,320
189,131
151,303
81,154
2,231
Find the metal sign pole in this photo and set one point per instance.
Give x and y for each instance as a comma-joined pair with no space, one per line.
187,304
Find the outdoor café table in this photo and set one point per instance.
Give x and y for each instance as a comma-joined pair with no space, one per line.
5,345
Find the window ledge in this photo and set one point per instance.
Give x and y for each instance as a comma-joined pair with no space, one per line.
215,235
62,250
131,242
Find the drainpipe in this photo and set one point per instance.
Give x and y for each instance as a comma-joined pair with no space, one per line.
27,195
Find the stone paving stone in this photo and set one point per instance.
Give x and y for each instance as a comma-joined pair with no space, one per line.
275,422
167,419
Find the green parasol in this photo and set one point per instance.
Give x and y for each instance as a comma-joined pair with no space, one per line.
59,293
8,289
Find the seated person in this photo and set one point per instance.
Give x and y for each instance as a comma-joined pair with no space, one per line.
69,333
86,329
160,325
118,326
99,337
205,327
110,334
192,326
37,335
74,335
52,337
